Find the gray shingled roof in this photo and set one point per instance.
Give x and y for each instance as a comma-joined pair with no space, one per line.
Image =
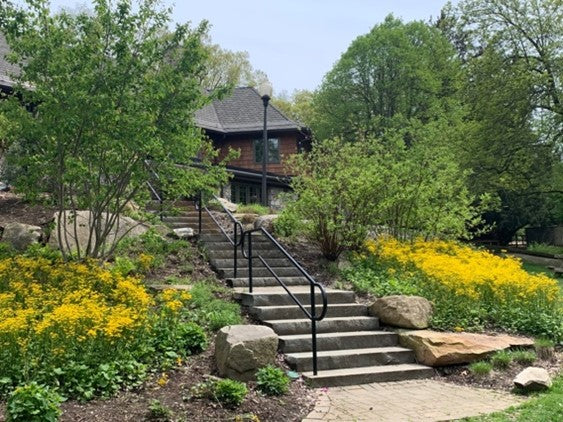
243,111
6,69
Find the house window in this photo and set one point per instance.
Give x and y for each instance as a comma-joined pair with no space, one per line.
246,193
273,150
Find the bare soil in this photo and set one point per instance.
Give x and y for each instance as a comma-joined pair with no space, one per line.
13,209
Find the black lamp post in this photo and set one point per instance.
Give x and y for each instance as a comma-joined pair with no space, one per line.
265,91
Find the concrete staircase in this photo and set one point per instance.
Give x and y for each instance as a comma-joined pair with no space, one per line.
352,349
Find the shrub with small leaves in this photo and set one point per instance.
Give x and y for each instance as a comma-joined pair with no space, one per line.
524,357
501,359
230,392
33,403
272,381
480,368
158,412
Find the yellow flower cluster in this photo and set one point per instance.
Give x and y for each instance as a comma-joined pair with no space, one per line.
465,270
175,300
67,302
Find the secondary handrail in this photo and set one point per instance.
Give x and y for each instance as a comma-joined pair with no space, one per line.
312,283
237,226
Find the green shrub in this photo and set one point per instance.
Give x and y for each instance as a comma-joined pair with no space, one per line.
288,223
253,209
481,368
272,381
33,403
544,248
192,337
524,357
158,412
124,266
230,392
210,310
501,359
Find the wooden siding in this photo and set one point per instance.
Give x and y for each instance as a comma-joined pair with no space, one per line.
288,146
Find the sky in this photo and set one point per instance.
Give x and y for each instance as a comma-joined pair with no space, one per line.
295,42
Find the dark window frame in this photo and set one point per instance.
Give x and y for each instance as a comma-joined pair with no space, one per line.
274,156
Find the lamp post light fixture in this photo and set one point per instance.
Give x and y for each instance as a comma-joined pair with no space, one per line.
265,92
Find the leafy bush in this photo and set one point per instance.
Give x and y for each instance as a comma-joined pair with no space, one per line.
469,288
230,392
272,381
33,403
288,223
85,328
253,209
209,310
501,359
481,368
226,391
158,412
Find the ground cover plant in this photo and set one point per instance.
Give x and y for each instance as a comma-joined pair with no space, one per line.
86,329
470,289
544,248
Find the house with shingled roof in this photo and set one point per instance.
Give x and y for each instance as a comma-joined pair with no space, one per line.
234,122
237,122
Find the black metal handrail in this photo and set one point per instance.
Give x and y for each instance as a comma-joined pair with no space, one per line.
236,241
312,283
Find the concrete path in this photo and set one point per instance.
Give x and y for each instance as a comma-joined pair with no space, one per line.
420,400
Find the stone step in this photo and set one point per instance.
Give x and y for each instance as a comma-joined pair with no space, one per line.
260,272
186,219
227,264
294,311
367,374
338,341
266,281
327,325
350,358
224,245
256,239
275,296
227,253
178,224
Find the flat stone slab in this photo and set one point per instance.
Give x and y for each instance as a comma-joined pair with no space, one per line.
420,400
159,287
436,348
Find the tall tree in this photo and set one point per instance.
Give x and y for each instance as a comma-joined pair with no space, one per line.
512,50
395,74
110,91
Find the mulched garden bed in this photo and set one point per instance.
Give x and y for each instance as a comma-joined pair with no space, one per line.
497,379
134,405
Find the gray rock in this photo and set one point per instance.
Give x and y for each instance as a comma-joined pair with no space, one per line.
403,311
124,227
247,218
240,350
184,233
266,221
228,204
533,379
20,235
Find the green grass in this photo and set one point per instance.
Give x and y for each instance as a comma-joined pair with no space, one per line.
253,209
543,248
542,407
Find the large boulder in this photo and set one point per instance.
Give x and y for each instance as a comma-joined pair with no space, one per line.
240,350
20,235
266,221
533,379
435,348
228,204
184,232
123,227
247,218
403,311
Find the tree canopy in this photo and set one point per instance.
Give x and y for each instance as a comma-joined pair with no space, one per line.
113,94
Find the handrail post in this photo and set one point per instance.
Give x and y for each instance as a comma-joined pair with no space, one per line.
314,330
249,262
199,210
235,250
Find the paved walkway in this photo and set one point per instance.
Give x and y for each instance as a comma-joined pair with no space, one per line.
420,400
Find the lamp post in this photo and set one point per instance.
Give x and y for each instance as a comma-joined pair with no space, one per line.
265,91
